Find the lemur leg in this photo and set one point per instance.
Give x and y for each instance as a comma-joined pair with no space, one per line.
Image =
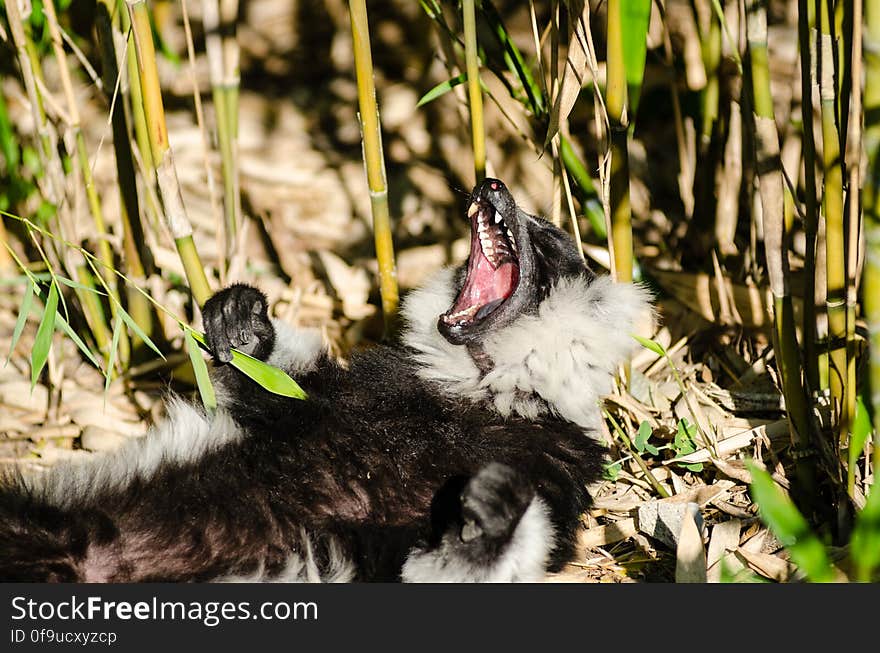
496,530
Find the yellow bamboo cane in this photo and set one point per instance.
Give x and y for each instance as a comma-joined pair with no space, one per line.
169,188
374,162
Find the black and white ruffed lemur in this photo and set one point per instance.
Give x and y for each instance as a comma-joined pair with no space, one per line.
461,454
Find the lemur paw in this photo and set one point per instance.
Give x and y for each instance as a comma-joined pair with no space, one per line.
237,317
492,503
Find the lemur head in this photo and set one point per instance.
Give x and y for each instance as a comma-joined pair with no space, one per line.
515,260
523,324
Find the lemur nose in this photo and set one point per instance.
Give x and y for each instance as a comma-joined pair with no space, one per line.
491,187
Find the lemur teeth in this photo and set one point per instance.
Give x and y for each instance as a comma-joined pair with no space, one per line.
497,217
473,208
463,313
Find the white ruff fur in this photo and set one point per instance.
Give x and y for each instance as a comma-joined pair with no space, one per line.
523,561
566,354
294,349
186,435
303,568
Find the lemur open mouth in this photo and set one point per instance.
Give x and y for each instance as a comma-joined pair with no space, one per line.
493,267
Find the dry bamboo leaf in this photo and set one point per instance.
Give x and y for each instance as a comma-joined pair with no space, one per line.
690,557
352,286
607,534
699,292
95,438
723,543
766,565
53,431
617,503
728,445
574,71
21,395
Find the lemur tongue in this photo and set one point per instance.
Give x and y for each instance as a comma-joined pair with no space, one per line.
485,287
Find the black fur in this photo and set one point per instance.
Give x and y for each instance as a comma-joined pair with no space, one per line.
376,461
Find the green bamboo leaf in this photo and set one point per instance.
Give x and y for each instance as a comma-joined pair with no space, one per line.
271,378
111,356
138,331
647,343
442,89
865,542
23,313
23,278
75,284
790,527
513,58
43,339
62,324
203,379
635,16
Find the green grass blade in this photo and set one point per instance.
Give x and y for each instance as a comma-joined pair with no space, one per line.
790,527
865,542
635,15
43,339
23,313
271,378
203,379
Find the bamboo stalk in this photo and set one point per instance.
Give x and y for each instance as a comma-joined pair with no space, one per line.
853,165
54,175
166,174
9,151
871,199
29,65
832,206
134,250
475,93
811,209
616,103
711,50
218,17
105,252
5,258
770,186
374,162
139,119
216,209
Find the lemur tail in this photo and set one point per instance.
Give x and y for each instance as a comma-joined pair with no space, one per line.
41,543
